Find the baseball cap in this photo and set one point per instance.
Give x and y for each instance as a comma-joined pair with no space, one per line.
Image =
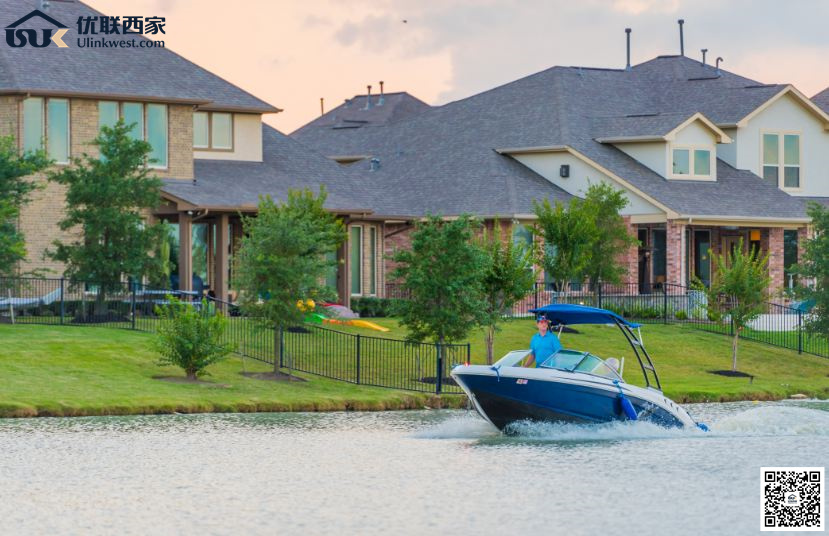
539,318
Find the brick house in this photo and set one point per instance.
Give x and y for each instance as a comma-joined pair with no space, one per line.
705,157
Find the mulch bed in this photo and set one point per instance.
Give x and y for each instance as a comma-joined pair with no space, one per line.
732,374
273,376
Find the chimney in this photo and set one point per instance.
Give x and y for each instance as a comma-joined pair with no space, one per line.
681,38
368,97
718,65
322,106
704,51
382,95
627,31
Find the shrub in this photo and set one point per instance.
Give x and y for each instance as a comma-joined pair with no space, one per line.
681,315
190,337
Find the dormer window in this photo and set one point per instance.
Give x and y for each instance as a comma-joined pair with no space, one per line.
691,163
781,160
213,131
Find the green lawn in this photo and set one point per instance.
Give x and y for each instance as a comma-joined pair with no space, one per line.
54,370
683,356
66,371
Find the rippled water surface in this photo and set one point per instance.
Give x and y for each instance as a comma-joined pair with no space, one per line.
427,472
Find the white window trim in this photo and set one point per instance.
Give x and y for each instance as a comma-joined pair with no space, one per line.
693,176
781,153
350,264
374,273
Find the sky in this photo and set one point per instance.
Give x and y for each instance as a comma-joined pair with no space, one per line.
291,53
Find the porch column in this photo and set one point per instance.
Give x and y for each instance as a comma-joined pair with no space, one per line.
630,259
185,251
775,251
221,267
675,249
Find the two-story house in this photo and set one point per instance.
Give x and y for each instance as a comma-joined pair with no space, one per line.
705,157
209,144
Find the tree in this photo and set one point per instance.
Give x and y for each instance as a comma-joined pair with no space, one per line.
508,279
106,199
190,337
609,237
568,236
282,259
15,191
443,274
739,288
815,267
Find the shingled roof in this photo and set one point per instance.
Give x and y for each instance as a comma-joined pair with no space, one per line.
822,100
454,146
136,72
287,165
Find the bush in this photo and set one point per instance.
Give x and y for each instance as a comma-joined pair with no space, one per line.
370,306
190,337
681,315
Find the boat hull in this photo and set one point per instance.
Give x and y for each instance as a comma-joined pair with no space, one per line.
505,397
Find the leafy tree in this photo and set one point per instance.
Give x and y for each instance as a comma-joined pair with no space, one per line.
568,238
739,289
443,273
508,279
282,259
815,266
190,337
609,238
15,190
106,199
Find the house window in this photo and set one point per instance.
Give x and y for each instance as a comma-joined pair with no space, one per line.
682,164
781,159
157,134
33,124
201,131
57,133
47,120
213,130
148,122
691,162
372,247
356,256
133,114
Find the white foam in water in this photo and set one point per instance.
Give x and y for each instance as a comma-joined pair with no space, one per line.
612,431
466,426
775,421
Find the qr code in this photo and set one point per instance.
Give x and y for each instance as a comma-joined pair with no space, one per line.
793,498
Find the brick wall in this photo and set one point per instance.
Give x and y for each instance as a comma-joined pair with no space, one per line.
179,142
775,249
630,258
675,252
8,115
397,236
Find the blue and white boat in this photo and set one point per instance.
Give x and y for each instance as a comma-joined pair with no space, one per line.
570,385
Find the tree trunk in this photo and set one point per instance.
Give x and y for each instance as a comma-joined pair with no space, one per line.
100,303
734,350
191,375
490,344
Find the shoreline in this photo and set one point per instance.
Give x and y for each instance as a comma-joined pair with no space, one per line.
404,402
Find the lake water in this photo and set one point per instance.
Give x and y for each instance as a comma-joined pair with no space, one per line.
423,472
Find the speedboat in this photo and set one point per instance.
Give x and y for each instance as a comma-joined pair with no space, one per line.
571,385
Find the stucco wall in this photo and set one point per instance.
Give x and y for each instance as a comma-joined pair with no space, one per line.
787,115
247,140
581,177
651,154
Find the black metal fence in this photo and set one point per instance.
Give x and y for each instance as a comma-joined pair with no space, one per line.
355,358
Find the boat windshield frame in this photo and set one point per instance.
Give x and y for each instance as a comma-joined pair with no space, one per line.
575,365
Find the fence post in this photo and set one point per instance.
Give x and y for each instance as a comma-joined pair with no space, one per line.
281,347
799,331
468,354
664,303
132,303
535,295
62,302
599,291
439,363
358,359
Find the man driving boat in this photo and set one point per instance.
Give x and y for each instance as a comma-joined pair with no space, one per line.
543,344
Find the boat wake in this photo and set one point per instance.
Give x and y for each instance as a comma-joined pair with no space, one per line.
776,420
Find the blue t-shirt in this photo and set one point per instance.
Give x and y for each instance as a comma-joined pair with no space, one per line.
544,347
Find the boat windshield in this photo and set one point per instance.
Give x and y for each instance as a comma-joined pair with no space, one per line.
575,361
